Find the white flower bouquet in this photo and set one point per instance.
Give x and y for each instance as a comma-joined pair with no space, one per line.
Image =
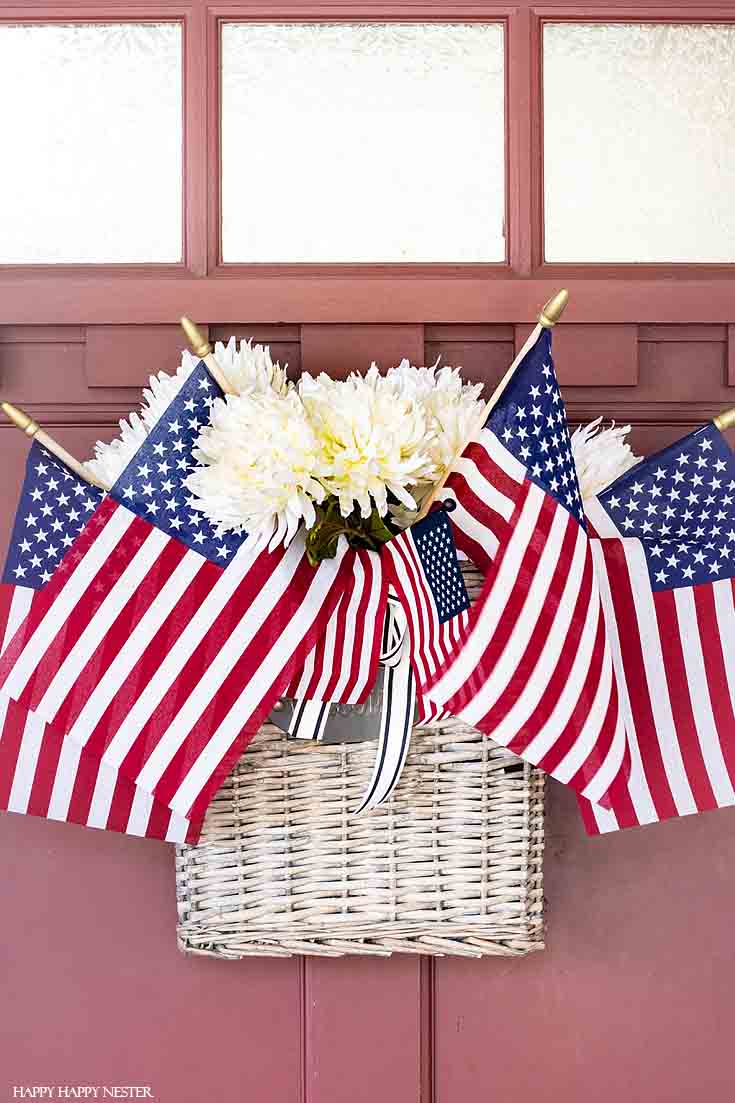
354,457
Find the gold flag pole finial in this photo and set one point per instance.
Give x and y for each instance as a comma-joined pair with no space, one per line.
201,347
20,419
725,420
553,309
32,429
198,343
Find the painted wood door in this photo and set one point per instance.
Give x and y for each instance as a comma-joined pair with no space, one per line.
632,998
635,984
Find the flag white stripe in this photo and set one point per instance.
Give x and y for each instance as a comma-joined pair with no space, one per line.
170,667
640,794
349,635
537,684
105,616
421,603
177,829
248,701
487,622
212,678
483,489
307,674
612,764
500,455
432,627
20,603
587,737
371,615
329,649
407,588
140,812
25,767
133,647
603,523
709,740
653,663
725,613
66,768
104,792
508,663
82,576
66,773
468,524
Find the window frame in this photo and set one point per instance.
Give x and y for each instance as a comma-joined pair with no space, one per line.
503,291
422,13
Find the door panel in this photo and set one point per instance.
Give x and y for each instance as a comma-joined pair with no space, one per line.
627,916
363,1029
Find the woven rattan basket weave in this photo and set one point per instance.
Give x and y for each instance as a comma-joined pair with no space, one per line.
452,864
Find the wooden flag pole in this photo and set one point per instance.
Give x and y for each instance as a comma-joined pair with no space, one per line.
32,429
201,347
725,420
547,319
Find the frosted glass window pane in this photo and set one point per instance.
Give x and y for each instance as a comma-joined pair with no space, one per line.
362,143
92,136
639,137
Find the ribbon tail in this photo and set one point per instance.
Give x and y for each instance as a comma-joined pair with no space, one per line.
399,697
309,719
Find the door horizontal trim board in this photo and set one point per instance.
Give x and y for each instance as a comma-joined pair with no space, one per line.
644,413
108,415
593,355
358,299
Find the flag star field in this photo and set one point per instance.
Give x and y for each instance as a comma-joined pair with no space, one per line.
54,506
681,505
531,422
434,544
153,483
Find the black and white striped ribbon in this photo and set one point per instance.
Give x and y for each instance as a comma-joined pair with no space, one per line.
396,721
310,718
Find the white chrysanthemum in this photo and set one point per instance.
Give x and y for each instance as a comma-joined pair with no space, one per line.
374,440
247,367
451,406
601,456
257,463
111,458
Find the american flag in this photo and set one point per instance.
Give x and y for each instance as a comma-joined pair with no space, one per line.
159,645
666,563
535,669
426,575
342,666
42,771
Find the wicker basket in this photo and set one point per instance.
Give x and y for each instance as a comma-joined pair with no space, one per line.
452,864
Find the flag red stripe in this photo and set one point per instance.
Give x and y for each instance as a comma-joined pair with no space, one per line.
713,647
681,702
372,566
125,623
44,599
635,677
198,662
11,738
513,609
43,780
532,653
418,605
232,686
496,475
84,609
